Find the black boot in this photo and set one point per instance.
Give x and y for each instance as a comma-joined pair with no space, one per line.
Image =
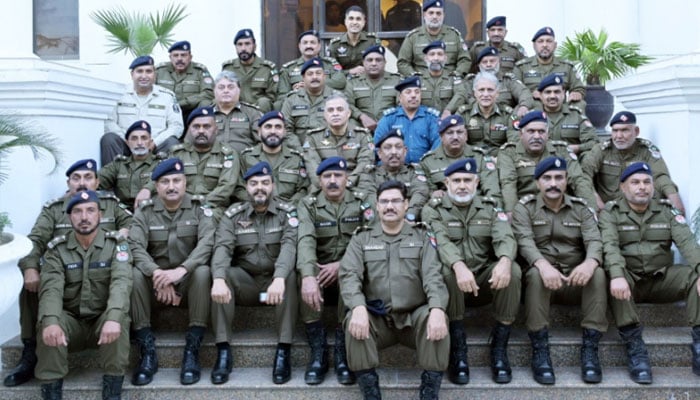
541,365
368,380
282,370
637,356
430,382
500,366
340,359
112,387
458,367
695,349
318,364
52,391
24,370
223,365
191,370
590,364
148,364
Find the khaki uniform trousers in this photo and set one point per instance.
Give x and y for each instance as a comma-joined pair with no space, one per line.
28,313
308,314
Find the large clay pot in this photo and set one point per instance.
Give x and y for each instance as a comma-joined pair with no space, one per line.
599,106
12,247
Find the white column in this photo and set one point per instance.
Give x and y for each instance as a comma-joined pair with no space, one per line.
16,38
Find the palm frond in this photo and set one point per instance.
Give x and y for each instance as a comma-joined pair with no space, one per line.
116,22
142,39
163,24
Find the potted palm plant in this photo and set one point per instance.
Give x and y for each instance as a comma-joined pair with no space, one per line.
599,60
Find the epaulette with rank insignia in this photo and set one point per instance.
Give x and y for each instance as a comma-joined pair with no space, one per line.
435,201
479,43
389,110
527,198
250,105
228,152
564,61
113,235
55,241
462,109
124,207
577,109
161,155
610,205
361,228
522,62
479,149
163,64
53,201
559,143
508,144
335,40
490,200
234,209
517,46
655,152
198,198
199,66
146,203
433,111
177,147
121,157
605,144
269,64
359,195
228,62
310,200
579,200
287,207
509,75
289,64
107,194
413,31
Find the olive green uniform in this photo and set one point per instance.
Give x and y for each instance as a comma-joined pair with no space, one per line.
516,168
530,72
303,113
258,81
478,234
637,246
163,240
126,176
325,229
410,58
193,88
52,222
350,56
290,75
239,128
288,170
413,177
371,97
446,92
511,92
510,52
435,162
565,239
604,165
571,125
80,291
488,133
251,250
403,272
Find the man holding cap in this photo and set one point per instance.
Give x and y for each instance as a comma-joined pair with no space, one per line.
606,161
253,263
559,245
257,76
477,249
509,52
144,101
190,81
441,91
84,299
638,230
170,268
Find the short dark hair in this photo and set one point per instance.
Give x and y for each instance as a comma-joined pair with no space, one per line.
356,8
393,184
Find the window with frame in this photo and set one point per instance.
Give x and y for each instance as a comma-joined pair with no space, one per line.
56,29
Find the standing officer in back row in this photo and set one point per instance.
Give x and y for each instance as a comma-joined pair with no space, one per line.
509,52
349,47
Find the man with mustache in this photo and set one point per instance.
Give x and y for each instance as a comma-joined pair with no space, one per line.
52,222
477,249
559,244
236,120
410,61
517,161
390,280
126,176
144,101
638,230
287,164
531,70
255,256
606,161
190,81
509,52
348,47
171,240
441,91
84,299
327,220
257,76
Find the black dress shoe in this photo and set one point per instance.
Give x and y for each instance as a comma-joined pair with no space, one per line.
282,370
223,366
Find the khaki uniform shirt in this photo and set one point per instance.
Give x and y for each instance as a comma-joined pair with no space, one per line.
435,162
446,92
510,52
401,270
571,125
371,98
160,239
290,75
350,56
288,171
413,177
530,72
564,238
489,133
193,88
258,81
410,57
261,244
302,114
126,176
511,93
604,165
86,283
238,129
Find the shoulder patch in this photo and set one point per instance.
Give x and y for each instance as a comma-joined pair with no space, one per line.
55,241
527,198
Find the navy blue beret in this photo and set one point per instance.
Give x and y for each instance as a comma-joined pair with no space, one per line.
141,60
390,134
485,52
450,121
465,165
207,111
312,63
635,168
544,31
411,81
313,32
183,45
496,21
244,34
332,163
274,114
139,125
260,169
550,80
84,196
549,164
433,3
374,49
623,117
532,116
438,44
168,167
87,164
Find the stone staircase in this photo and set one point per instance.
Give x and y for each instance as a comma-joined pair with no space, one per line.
666,335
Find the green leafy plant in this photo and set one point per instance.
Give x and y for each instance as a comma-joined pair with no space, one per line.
4,222
598,60
15,133
136,32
